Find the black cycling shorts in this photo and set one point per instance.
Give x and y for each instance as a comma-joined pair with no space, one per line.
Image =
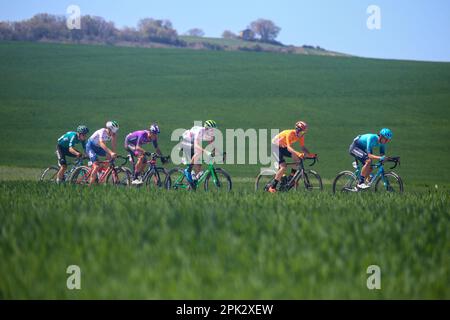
61,153
280,152
357,152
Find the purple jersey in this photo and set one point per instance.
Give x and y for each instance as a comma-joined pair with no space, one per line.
138,138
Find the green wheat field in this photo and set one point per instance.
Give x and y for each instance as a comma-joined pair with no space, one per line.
135,244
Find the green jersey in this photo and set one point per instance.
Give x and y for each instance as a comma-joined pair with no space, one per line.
69,140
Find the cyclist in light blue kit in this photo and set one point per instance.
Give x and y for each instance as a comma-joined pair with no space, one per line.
362,149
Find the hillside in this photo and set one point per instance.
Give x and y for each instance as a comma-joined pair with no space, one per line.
47,89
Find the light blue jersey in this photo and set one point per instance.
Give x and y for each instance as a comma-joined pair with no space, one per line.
369,141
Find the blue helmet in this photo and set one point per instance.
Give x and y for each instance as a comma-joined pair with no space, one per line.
386,133
154,128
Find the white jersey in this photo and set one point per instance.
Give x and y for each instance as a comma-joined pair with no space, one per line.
103,133
196,133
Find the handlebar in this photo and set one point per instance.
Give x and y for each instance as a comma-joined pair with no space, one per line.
154,156
120,157
396,161
315,159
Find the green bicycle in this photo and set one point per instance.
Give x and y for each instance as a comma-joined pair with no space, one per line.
214,179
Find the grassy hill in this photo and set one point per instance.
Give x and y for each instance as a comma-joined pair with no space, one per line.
239,44
47,89
131,243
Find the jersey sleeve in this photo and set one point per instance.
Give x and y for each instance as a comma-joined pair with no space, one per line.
155,143
72,141
382,149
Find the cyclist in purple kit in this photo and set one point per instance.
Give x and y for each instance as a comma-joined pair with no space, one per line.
133,144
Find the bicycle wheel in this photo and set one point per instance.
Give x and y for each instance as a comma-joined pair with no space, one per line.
157,179
262,182
392,183
311,182
49,174
222,183
118,177
345,181
176,180
80,175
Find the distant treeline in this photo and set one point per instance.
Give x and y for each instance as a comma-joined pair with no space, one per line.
93,29
148,32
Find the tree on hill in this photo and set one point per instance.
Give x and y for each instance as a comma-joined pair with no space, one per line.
227,34
266,29
195,32
157,30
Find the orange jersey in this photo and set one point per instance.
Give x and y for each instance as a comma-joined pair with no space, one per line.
288,137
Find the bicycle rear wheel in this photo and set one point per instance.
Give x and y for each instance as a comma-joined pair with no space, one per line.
49,174
222,183
345,181
176,180
80,175
392,183
262,182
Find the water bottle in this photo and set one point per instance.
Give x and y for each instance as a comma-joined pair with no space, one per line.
193,175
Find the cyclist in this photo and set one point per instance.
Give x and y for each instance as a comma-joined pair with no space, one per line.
281,148
65,147
133,144
96,146
362,149
191,144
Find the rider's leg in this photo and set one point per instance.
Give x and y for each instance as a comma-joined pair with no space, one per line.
139,166
93,177
61,171
365,171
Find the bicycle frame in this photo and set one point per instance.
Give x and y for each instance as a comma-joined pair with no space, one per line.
210,169
299,174
105,168
379,172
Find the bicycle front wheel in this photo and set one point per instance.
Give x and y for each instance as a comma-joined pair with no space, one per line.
49,174
80,175
221,181
346,181
311,182
157,179
391,183
118,177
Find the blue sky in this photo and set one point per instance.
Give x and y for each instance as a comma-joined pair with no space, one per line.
413,30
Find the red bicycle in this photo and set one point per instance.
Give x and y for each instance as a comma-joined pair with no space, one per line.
108,173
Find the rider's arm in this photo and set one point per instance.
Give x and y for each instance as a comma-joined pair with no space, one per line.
382,150
114,142
104,146
74,152
288,146
155,145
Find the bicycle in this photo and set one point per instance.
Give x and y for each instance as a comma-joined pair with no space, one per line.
217,177
346,181
310,178
153,177
108,173
50,173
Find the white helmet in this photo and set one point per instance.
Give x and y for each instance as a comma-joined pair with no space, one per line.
113,126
